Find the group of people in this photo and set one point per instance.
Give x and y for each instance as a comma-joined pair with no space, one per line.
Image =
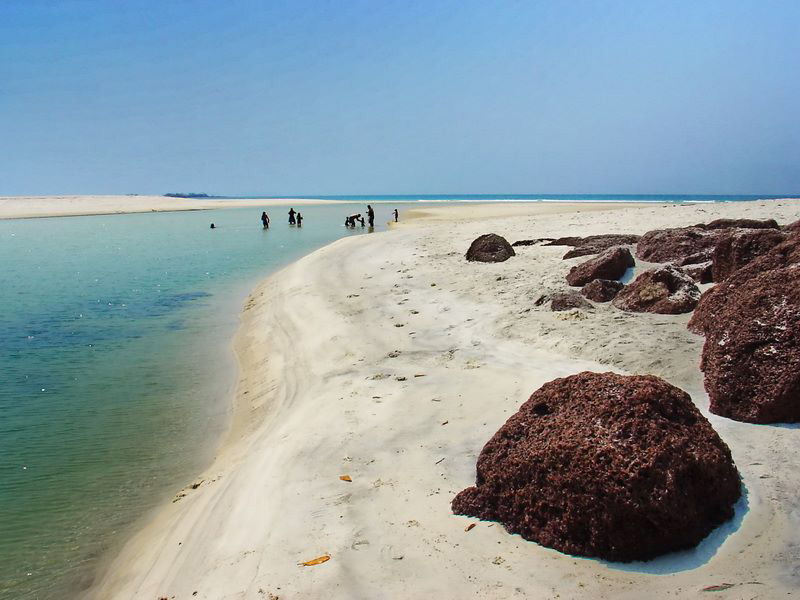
295,218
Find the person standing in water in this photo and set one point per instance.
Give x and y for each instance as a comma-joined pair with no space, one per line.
265,220
291,216
299,220
395,215
370,216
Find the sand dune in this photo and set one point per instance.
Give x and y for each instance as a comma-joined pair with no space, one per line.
390,359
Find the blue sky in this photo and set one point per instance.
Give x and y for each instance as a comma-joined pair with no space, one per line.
350,97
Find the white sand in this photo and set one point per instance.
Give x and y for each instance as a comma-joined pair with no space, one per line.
331,349
23,207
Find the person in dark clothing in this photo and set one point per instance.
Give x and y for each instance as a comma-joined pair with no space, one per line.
361,220
265,220
395,215
299,220
213,226
291,216
370,216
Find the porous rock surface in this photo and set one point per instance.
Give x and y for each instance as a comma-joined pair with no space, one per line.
490,247
609,264
741,246
701,273
751,355
682,245
605,465
664,290
567,301
601,290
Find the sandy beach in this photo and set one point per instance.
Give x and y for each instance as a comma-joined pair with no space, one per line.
26,207
392,360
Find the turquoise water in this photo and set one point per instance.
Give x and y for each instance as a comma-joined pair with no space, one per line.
117,367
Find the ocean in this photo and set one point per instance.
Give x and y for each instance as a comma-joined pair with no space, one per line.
117,364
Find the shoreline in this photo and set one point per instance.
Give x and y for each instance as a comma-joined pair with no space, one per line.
42,207
309,366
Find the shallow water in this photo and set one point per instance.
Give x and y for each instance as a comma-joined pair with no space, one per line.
117,368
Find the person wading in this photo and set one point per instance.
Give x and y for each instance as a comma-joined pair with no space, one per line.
265,220
370,216
291,216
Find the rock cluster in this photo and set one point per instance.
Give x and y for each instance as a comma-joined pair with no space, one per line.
601,290
605,465
664,290
490,247
593,244
609,264
751,355
681,246
740,223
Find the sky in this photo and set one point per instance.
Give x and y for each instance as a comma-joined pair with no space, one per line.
381,97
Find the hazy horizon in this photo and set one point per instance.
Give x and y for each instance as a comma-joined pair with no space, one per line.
399,98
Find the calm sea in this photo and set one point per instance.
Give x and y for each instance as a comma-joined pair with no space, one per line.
116,365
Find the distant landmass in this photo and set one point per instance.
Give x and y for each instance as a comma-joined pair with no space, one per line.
186,195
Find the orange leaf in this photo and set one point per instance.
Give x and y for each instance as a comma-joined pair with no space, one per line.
317,561
345,478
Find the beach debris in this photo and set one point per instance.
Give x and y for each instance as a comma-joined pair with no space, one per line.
346,478
197,484
401,378
591,461
489,247
316,561
568,300
470,527
664,290
609,264
721,587
440,460
399,324
740,247
601,290
393,354
751,355
445,422
420,375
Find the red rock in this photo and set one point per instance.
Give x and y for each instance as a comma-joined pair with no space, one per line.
601,290
605,465
530,242
792,227
751,355
740,223
567,301
490,247
593,244
700,273
741,246
677,245
709,309
664,290
609,264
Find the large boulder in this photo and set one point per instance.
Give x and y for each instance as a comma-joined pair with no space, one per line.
490,247
683,245
741,246
605,465
740,223
567,301
609,264
784,257
665,290
751,355
602,290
